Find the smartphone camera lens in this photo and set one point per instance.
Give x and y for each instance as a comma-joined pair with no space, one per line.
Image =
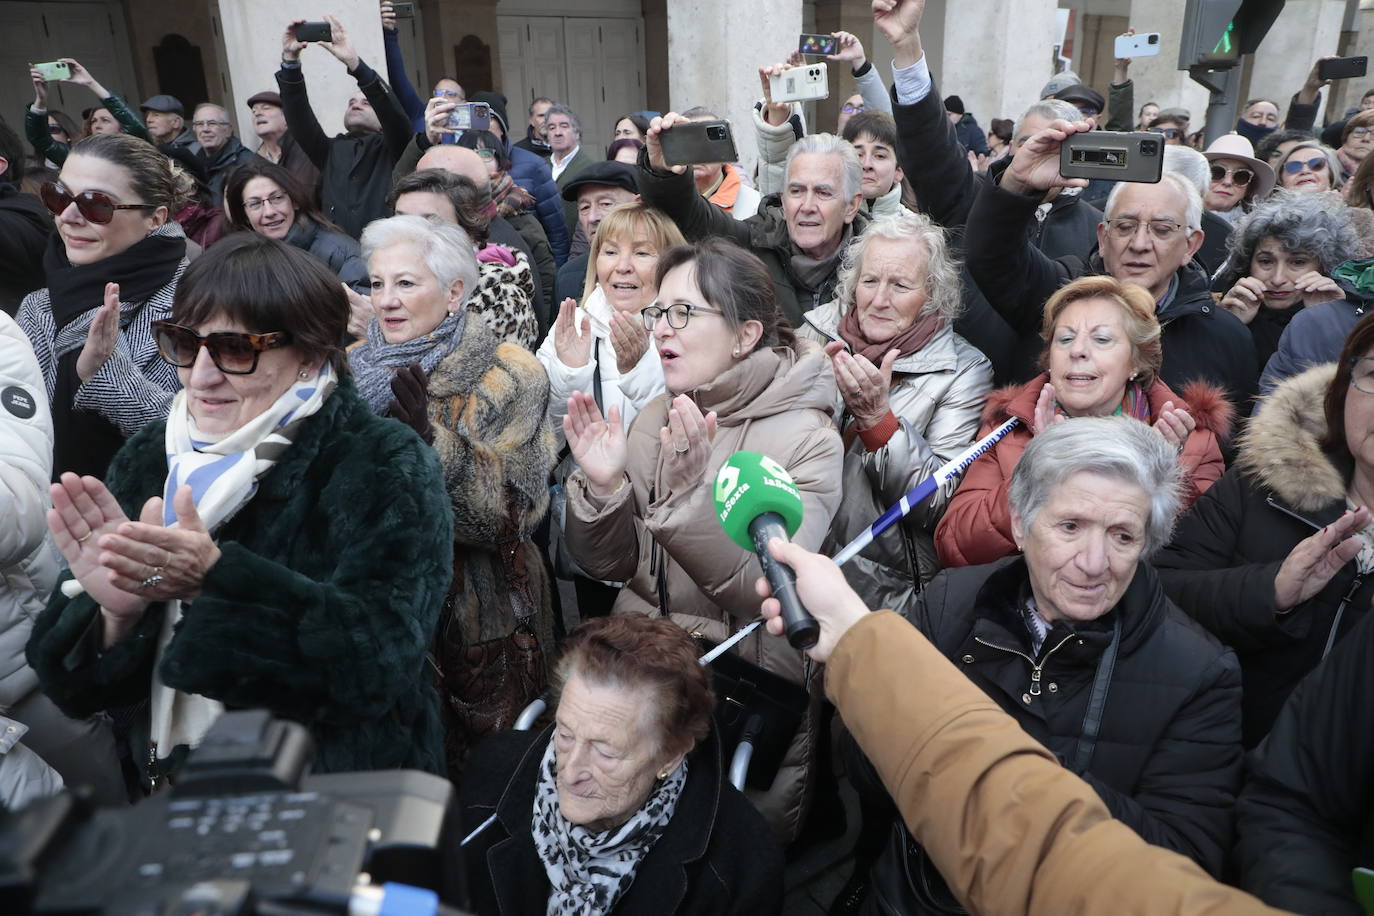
1149,147
1154,39
715,132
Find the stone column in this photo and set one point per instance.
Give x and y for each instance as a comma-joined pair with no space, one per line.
715,48
1304,31
994,55
250,54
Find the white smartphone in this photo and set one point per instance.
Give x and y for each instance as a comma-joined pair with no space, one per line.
1144,45
800,84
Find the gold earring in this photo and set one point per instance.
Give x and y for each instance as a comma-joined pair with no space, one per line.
304,373
662,774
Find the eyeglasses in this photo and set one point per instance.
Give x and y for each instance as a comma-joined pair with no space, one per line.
1240,177
852,109
233,352
56,129
1087,111
1169,133
677,314
1126,228
1314,165
199,124
1362,374
95,206
1360,132
254,204
485,153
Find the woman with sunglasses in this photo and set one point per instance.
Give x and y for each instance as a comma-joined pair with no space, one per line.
1310,166
482,404
266,198
112,116
1280,261
267,568
1238,179
112,269
640,506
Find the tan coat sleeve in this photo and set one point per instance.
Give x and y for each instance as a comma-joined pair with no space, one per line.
1012,831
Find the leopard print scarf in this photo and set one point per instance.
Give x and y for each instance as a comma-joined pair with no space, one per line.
589,872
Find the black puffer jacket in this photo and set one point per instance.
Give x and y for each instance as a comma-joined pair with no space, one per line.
1306,817
1168,757
339,252
24,230
1227,550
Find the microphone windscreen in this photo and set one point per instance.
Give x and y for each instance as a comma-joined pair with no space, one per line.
750,484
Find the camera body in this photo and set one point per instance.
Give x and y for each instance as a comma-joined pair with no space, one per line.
800,84
469,116
242,824
314,31
54,70
1342,68
1145,45
1135,156
698,143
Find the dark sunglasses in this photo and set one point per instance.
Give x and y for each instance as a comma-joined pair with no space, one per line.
1169,133
233,352
95,206
1316,165
1240,177
56,129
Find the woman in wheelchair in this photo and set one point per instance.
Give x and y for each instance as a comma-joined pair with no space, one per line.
621,805
1076,640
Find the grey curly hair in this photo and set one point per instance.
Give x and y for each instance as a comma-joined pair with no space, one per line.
944,295
1318,224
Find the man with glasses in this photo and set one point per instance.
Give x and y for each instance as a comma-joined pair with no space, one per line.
1148,237
1171,128
216,146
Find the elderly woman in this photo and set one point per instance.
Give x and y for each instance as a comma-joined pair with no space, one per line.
1076,640
112,268
1357,139
1276,559
1280,261
911,394
1238,179
266,198
1310,166
621,806
265,566
481,404
1102,356
640,507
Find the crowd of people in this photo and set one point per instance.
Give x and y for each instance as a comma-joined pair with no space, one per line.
396,432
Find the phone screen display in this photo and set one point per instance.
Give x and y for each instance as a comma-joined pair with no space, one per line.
1112,157
818,44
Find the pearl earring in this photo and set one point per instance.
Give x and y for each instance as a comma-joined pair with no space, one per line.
303,374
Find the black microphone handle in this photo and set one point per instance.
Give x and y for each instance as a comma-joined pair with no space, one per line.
802,629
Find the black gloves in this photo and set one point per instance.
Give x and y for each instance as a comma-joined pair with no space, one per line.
410,405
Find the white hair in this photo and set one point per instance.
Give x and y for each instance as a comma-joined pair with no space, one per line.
943,290
1050,110
1192,217
852,170
1189,163
447,250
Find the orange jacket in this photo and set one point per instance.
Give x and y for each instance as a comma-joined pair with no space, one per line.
976,527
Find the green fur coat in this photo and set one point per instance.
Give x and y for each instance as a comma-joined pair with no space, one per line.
320,609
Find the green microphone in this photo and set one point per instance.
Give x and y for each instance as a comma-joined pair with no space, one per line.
756,500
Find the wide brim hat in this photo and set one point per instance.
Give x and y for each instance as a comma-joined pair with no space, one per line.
1234,146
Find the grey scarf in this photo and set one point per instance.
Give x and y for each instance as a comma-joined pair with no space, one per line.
374,361
813,272
589,872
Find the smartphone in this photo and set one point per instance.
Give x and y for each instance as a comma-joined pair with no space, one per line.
1146,45
403,10
698,142
800,84
818,44
1137,156
314,31
469,116
54,70
1342,68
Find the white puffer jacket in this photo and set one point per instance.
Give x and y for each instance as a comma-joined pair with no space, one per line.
29,562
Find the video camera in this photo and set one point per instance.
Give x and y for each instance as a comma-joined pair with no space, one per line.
244,830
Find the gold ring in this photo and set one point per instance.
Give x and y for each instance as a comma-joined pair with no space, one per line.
85,537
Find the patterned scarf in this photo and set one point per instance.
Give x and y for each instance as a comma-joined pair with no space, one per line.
374,361
1134,404
589,872
509,197
223,472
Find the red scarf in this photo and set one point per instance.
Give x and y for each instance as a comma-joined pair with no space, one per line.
905,343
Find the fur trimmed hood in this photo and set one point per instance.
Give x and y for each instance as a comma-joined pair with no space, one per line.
1206,403
1281,447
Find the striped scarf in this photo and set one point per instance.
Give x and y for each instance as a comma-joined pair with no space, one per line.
509,197
223,473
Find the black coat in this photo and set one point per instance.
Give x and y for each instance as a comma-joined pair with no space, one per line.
1306,816
24,230
355,168
717,856
1201,340
340,253
1226,551
1168,757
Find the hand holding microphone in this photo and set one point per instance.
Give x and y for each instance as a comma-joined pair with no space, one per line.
821,585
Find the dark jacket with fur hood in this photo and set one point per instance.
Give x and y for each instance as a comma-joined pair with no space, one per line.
320,608
1226,552
976,527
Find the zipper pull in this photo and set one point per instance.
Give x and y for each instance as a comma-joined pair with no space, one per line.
1035,681
154,781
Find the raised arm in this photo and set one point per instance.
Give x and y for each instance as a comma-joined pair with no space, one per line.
411,103
672,191
300,117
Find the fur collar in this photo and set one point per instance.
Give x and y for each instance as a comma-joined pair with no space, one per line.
1206,403
1281,449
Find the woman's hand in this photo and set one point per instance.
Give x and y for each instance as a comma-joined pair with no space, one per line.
1313,562
359,312
863,386
437,110
1316,288
1175,424
573,350
179,558
102,336
1243,300
598,445
82,77
40,89
850,49
410,404
1045,415
629,339
84,513
655,147
775,113
685,444
823,591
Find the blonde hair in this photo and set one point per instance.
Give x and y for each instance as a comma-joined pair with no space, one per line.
1137,313
630,220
